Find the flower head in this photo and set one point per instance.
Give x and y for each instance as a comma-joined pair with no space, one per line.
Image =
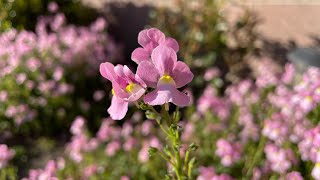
126,87
149,39
166,74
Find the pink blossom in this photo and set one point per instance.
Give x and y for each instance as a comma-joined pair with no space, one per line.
294,175
127,87
53,7
208,173
229,153
98,95
316,172
6,154
90,170
149,39
112,148
77,126
281,160
166,74
211,73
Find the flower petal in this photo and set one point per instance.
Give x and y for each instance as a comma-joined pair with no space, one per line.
148,73
156,35
181,74
107,71
143,38
157,97
128,73
165,94
136,96
139,55
164,59
119,91
180,98
118,108
118,69
170,42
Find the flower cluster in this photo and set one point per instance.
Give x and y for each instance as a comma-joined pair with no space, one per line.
158,68
6,155
41,69
229,153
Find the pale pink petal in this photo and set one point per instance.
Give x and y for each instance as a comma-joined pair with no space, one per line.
118,69
170,42
128,73
156,35
119,91
118,108
107,71
181,74
167,93
140,81
180,98
148,73
143,38
157,97
135,96
139,55
164,59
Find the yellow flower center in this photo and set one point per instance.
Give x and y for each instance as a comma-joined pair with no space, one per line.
112,91
130,87
318,165
166,78
308,99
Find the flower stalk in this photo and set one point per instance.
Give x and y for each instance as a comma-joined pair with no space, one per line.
181,166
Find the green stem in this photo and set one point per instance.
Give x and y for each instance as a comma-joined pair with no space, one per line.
256,157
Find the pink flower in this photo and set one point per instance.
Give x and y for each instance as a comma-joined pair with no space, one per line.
316,172
127,87
294,175
53,7
90,170
5,155
112,148
229,153
281,159
208,173
77,126
149,39
166,74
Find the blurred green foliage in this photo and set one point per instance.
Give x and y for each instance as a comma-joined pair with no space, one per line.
207,38
22,14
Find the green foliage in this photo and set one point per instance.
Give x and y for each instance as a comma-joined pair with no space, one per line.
205,36
22,14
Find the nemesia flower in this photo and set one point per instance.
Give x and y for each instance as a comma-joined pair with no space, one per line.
281,160
294,175
208,173
229,153
90,170
77,125
127,87
166,74
149,39
5,155
112,148
316,172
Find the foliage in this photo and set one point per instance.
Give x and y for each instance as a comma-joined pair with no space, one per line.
20,14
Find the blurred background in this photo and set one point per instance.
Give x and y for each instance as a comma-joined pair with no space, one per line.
50,52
